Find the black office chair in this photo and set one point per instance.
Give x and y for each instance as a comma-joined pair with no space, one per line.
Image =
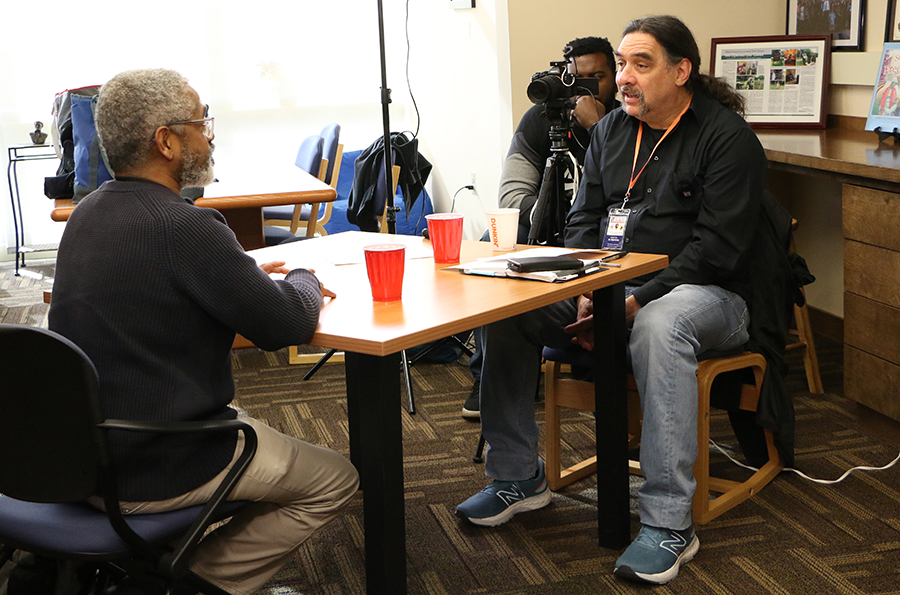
54,438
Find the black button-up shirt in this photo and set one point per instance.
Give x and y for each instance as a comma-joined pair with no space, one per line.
697,201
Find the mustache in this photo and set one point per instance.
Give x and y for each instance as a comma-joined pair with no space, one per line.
631,91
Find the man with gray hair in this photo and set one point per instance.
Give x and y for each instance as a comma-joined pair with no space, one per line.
154,289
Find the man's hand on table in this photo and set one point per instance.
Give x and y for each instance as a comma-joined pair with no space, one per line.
277,266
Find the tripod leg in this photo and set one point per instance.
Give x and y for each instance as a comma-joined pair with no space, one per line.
479,450
463,345
319,364
539,213
410,400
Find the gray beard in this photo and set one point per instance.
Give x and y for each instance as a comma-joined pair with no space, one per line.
642,105
196,170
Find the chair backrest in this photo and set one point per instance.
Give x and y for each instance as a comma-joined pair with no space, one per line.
309,155
331,135
49,408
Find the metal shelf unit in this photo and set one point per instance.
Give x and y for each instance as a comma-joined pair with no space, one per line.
18,154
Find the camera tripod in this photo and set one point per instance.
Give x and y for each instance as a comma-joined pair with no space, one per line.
548,217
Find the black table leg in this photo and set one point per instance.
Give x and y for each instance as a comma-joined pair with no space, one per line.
376,448
610,366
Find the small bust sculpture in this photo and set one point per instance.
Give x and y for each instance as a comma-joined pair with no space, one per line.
38,137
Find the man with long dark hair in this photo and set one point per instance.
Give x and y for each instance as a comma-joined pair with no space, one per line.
676,171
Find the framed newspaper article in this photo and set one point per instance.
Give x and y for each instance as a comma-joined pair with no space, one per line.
842,20
884,112
783,78
892,26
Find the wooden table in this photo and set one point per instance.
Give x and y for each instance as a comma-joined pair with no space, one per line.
437,304
241,202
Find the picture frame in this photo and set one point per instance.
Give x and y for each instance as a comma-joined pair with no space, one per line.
884,111
892,23
783,78
843,20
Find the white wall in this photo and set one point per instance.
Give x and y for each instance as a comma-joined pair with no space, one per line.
460,74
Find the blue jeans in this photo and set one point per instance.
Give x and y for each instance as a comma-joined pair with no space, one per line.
668,335
475,360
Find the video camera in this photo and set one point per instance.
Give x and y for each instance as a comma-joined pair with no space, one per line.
557,85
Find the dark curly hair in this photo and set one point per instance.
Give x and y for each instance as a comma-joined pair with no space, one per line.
678,43
583,46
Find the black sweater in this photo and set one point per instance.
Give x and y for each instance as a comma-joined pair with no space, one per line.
153,289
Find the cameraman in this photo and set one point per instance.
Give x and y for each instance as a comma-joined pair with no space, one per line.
529,150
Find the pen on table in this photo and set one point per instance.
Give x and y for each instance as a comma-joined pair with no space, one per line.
613,256
609,264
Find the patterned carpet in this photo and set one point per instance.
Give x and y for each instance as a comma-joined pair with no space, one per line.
794,537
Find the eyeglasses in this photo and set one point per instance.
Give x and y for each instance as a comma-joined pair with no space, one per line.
208,123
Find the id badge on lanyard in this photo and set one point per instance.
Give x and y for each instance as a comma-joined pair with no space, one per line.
614,239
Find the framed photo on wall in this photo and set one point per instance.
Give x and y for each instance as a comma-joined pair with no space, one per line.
783,78
842,20
892,27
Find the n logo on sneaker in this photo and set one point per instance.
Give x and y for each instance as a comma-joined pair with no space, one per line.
675,545
511,495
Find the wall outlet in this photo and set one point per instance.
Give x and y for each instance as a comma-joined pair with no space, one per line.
472,179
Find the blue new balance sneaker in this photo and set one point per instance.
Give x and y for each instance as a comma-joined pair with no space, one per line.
500,500
656,554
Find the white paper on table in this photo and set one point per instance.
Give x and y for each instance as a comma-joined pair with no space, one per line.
357,255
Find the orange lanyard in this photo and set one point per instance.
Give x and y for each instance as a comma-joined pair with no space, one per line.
637,148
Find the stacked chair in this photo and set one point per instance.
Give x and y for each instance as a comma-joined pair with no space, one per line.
319,155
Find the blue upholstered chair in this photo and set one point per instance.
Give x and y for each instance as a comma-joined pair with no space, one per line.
328,171
55,437
309,159
332,154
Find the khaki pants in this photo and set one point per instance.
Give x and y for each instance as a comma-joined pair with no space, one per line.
297,488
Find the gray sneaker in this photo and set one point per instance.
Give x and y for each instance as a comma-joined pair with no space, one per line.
656,554
500,500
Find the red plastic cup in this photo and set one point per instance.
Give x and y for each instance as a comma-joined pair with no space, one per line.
384,263
445,232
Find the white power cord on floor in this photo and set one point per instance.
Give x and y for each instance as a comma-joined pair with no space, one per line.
803,475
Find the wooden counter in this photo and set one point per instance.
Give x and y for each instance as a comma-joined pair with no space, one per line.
869,173
845,152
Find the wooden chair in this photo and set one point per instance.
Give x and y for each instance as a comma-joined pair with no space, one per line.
329,171
332,154
309,159
802,337
395,179
325,217
562,392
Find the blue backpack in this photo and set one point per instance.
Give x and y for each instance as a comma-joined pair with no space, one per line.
83,165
